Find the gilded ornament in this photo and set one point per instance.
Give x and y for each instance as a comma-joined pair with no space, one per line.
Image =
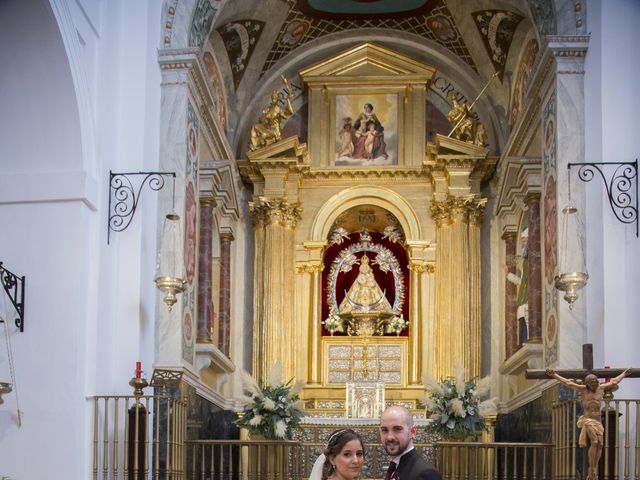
466,128
462,208
268,130
275,211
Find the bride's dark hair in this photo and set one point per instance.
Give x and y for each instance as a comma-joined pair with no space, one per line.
335,444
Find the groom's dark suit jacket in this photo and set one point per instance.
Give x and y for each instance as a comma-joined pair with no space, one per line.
413,467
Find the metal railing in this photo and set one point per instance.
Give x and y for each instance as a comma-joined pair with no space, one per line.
493,460
244,460
134,437
620,457
286,460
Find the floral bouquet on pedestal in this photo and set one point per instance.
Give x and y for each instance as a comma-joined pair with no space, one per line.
455,405
274,410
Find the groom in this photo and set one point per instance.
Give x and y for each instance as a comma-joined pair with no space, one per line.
397,432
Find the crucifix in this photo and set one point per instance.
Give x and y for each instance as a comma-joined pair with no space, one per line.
592,393
587,368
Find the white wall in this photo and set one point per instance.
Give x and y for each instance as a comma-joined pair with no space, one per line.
612,98
81,97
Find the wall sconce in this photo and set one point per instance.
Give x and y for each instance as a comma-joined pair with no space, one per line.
124,196
14,286
169,277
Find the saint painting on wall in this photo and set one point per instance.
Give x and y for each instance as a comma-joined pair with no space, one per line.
366,130
521,280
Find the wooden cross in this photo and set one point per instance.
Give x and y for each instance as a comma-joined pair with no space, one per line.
587,368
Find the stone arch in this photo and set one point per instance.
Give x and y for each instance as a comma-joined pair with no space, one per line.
351,197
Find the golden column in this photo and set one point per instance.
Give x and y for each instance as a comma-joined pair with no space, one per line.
457,328
274,220
416,327
476,216
314,373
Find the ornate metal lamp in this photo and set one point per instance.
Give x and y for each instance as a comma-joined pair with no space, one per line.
572,275
4,388
169,278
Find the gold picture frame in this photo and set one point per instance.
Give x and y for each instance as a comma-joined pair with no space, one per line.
366,129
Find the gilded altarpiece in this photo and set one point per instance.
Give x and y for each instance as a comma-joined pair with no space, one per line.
384,292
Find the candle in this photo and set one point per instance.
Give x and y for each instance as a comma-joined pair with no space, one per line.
138,369
607,379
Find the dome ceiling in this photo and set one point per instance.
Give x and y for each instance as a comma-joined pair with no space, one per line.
254,42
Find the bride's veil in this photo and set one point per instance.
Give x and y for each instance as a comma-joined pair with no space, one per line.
316,471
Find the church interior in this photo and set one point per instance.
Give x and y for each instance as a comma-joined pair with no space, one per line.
371,196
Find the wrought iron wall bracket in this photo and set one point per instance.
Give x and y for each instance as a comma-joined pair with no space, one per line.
124,196
14,286
621,181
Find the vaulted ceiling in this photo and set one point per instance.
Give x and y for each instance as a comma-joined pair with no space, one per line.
248,45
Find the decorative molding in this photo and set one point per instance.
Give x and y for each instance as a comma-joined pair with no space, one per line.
218,179
528,356
519,178
391,174
177,58
210,356
167,18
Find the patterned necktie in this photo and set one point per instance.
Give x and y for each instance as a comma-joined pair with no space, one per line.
390,470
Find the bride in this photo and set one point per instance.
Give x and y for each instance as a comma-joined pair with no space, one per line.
342,459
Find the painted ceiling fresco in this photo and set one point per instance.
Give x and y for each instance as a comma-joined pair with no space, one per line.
430,19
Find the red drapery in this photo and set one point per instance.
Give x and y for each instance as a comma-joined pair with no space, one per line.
346,279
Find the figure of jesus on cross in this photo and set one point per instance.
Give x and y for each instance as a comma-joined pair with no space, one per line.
590,423
591,394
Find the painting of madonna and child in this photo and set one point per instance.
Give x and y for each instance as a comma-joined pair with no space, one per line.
367,130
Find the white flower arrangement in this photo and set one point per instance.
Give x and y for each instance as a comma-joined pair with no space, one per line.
455,406
333,323
274,410
397,324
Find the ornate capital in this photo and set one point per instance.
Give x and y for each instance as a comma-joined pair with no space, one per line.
417,267
453,209
208,202
267,211
476,211
532,197
310,267
227,237
420,268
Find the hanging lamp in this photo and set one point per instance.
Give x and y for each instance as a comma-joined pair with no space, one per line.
169,277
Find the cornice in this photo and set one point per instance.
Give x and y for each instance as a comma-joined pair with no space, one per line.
519,177
395,174
177,58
